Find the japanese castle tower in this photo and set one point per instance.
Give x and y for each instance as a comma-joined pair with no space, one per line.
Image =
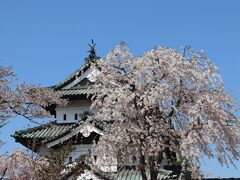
48,138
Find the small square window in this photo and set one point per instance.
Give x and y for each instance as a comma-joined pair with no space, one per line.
76,116
64,117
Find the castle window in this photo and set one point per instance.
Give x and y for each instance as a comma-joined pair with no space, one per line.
134,159
64,117
95,158
70,160
76,116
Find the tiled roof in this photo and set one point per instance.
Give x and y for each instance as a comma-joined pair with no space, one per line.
136,175
44,132
95,173
73,92
125,175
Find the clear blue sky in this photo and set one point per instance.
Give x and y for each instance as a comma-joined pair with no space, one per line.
44,41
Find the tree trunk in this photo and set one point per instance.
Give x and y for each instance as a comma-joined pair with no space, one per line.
182,175
153,169
4,173
142,167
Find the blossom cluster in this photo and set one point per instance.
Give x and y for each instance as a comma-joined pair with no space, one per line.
165,104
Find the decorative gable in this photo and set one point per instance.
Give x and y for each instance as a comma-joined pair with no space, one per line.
78,79
84,129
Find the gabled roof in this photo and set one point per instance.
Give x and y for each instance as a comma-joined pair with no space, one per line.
85,129
71,85
65,87
72,77
53,134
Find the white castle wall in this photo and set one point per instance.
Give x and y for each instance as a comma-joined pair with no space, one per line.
75,107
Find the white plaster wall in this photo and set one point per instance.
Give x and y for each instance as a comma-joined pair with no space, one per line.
76,153
79,151
107,163
44,151
77,103
75,107
164,163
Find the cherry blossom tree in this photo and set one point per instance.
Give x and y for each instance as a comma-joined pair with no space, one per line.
31,166
29,101
20,165
164,105
25,100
